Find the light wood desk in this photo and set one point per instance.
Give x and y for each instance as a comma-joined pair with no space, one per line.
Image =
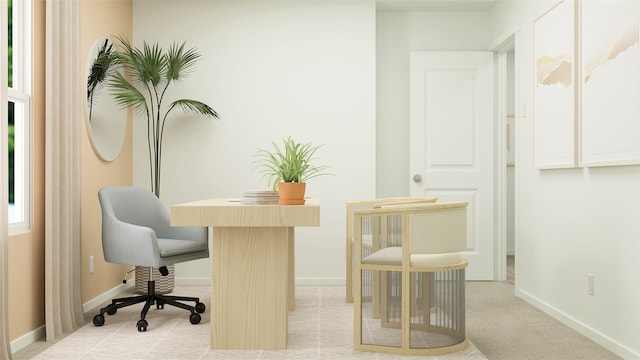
253,269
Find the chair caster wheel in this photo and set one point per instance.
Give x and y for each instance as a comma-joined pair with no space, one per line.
98,320
142,325
112,309
200,308
159,305
194,318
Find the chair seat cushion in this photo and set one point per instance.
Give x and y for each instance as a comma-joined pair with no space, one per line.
435,259
175,247
393,256
386,256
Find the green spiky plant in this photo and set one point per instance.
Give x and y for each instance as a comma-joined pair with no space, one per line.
151,71
291,163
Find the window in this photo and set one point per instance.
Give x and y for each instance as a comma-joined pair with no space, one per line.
19,117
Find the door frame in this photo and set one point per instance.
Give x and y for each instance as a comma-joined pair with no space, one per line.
500,49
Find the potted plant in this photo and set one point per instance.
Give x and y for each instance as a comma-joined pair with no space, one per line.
148,73
288,168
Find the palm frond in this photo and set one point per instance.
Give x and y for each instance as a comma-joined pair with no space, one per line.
153,64
129,57
146,65
180,61
126,94
101,68
194,106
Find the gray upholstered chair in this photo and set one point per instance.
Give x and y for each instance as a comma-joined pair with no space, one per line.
136,231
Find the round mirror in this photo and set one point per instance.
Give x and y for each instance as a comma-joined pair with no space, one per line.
106,120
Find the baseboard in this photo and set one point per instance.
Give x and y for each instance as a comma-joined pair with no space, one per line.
107,296
39,333
27,339
596,336
320,281
192,281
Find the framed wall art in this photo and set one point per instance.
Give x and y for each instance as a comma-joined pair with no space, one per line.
555,88
610,83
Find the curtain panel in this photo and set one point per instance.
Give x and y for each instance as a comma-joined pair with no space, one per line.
63,296
5,347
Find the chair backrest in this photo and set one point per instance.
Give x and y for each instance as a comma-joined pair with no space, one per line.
135,223
440,231
134,205
376,204
433,228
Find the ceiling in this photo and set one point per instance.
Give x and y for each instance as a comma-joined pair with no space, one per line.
436,5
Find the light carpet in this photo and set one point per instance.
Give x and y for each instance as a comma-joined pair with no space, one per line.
320,327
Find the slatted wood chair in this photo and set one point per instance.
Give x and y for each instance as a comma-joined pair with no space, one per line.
426,314
379,229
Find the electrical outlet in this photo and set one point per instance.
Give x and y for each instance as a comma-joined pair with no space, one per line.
591,284
90,264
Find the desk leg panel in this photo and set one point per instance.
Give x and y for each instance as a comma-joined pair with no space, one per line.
249,292
292,269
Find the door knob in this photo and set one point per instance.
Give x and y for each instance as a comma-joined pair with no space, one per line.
417,178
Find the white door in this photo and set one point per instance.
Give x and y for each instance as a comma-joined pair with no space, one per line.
452,142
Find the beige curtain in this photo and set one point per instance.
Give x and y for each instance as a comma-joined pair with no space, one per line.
5,348
63,297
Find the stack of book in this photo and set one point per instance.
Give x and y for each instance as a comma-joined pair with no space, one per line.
259,197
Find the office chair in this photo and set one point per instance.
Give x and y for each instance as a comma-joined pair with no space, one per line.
136,231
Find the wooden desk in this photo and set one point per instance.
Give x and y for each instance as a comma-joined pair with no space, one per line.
253,269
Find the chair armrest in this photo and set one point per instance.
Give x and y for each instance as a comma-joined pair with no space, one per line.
196,233
129,244
164,230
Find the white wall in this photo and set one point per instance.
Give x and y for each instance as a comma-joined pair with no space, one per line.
271,69
574,222
399,33
271,64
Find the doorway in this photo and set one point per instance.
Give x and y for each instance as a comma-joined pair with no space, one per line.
510,165
507,121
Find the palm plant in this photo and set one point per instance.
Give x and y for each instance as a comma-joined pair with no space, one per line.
152,70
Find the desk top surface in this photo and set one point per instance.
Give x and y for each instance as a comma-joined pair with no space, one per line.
226,202
233,213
